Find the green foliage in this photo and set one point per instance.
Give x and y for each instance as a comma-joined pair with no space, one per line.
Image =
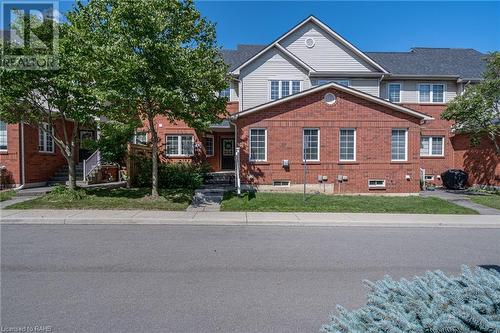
171,175
150,58
433,303
477,111
7,195
63,193
112,142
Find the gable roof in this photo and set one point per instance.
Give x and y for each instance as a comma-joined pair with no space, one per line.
342,88
325,28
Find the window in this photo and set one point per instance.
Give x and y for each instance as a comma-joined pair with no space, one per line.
282,88
258,144
431,146
225,93
394,92
325,81
3,135
209,145
311,144
45,142
180,145
347,144
376,183
140,138
398,144
429,177
281,183
431,93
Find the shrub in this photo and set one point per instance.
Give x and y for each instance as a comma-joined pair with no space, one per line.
63,193
171,175
433,303
454,179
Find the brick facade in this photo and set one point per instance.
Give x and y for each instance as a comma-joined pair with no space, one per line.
373,123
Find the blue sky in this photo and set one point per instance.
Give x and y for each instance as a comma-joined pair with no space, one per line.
371,26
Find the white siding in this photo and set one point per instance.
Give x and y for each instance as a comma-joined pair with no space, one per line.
234,93
328,54
409,90
369,86
272,65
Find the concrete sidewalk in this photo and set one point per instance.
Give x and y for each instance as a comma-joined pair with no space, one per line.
245,218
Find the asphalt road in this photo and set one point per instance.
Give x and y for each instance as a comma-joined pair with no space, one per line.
143,278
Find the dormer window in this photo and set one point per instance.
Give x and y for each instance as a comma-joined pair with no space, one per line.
283,88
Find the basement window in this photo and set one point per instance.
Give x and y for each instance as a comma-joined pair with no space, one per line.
376,183
281,183
429,177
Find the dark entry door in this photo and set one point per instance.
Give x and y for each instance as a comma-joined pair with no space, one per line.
85,135
227,155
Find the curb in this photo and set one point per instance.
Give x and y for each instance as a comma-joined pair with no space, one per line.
194,222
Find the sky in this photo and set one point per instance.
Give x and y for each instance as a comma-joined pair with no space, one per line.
370,26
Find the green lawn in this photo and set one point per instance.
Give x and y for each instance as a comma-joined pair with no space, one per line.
492,200
7,195
293,202
121,198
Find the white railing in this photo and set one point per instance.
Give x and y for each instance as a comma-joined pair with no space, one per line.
91,163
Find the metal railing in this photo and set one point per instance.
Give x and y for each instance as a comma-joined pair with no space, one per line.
91,163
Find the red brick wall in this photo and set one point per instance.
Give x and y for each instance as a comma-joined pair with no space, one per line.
373,124
11,158
40,166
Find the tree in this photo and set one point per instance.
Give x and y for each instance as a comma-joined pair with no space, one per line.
477,111
430,303
43,98
153,58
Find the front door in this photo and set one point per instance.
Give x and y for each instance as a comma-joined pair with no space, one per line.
86,135
227,155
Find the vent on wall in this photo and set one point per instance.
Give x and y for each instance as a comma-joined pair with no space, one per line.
281,183
310,42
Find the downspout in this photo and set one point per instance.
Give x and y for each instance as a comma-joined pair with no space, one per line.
238,159
23,167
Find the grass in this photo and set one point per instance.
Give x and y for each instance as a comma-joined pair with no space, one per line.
121,198
7,195
293,202
492,200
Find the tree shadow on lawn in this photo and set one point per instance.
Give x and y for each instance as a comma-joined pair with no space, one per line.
174,195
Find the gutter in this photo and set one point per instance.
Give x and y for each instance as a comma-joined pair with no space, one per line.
23,163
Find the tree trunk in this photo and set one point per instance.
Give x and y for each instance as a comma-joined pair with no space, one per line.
71,173
493,138
154,156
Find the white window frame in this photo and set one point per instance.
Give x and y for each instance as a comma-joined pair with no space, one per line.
303,143
354,159
376,186
210,136
431,93
281,181
431,138
179,145
134,140
280,94
406,144
45,135
389,91
6,137
228,91
250,144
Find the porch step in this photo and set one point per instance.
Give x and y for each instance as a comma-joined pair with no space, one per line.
60,177
222,178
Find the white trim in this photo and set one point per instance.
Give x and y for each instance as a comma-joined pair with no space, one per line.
45,135
319,143
348,128
6,137
333,80
431,97
281,181
327,30
406,144
295,58
431,138
376,186
134,139
280,93
210,136
250,144
179,145
389,91
340,87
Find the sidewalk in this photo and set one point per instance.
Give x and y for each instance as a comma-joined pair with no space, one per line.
245,218
461,199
